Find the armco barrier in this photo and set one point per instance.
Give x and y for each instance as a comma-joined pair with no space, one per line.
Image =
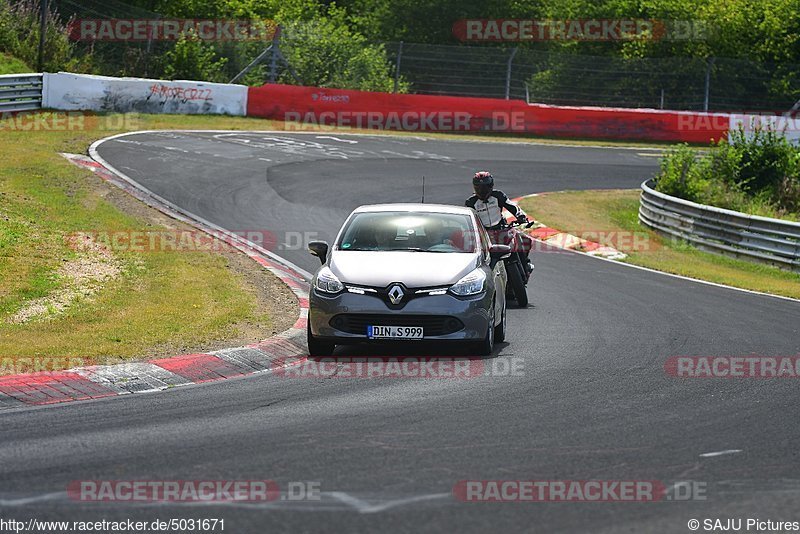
20,92
749,237
339,107
65,91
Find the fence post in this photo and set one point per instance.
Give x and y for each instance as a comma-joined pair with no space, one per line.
148,50
42,34
709,63
273,60
397,66
662,98
508,72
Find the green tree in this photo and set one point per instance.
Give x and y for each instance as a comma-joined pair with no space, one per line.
192,59
326,52
19,37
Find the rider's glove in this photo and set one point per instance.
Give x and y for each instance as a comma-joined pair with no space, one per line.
522,218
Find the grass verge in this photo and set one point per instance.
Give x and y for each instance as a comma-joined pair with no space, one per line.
151,303
611,217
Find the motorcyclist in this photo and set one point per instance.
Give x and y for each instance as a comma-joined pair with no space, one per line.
489,203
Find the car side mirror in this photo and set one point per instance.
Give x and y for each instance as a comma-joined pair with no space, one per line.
498,251
319,249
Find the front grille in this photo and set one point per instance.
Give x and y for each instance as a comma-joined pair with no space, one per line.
433,325
383,293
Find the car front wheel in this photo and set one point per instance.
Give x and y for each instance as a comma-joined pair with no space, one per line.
500,330
317,347
485,347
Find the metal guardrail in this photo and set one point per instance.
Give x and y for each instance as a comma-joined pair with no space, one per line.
20,92
750,237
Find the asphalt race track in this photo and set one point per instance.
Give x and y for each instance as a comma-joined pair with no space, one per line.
593,402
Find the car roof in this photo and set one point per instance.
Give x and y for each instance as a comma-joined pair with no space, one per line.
415,207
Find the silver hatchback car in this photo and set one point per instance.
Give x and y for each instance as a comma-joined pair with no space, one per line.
401,272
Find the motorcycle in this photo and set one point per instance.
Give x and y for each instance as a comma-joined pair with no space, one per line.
518,266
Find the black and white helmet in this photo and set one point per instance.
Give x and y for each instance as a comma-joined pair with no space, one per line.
483,178
483,183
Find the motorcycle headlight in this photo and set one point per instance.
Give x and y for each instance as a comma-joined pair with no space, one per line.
471,284
327,282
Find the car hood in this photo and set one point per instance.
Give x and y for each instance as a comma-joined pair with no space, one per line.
413,269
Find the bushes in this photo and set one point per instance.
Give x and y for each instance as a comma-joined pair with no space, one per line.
192,59
325,52
11,65
19,37
756,172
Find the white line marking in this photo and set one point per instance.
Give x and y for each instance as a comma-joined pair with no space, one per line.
720,453
405,138
59,495
351,141
364,507
350,502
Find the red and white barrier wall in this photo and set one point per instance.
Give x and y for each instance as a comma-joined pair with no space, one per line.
313,107
310,106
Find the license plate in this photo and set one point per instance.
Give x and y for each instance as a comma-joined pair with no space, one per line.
394,332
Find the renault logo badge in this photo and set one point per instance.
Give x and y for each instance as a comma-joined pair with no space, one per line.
396,294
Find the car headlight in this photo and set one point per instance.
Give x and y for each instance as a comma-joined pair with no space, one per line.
327,282
471,284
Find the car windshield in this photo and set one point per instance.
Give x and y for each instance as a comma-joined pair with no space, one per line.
409,231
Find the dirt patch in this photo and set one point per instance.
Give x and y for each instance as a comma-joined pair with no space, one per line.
81,278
